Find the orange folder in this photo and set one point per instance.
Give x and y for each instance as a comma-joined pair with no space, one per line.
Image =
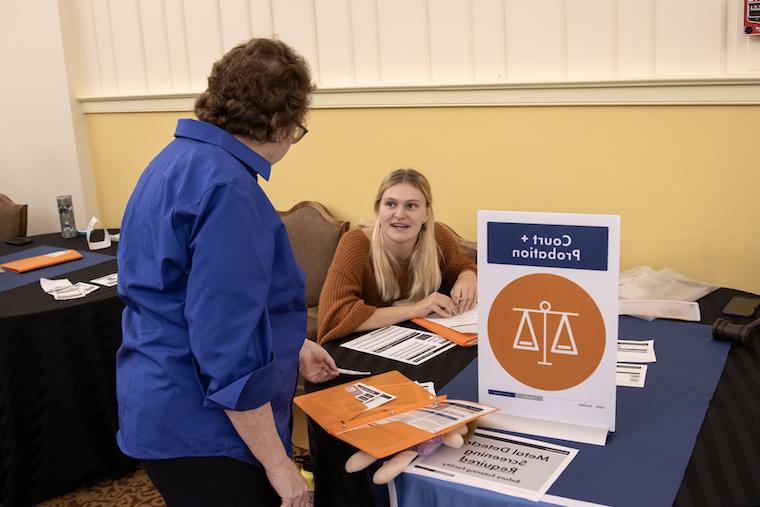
463,339
337,411
41,261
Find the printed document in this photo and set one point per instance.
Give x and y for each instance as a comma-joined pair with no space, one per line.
499,462
400,344
631,375
371,397
467,322
636,351
442,416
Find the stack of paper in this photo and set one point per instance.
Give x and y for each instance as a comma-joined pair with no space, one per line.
461,329
630,354
63,290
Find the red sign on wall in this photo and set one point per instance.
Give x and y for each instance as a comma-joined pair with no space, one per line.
752,17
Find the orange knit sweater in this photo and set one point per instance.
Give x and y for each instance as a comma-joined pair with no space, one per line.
350,294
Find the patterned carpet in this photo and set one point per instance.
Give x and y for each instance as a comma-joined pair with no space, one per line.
136,489
133,490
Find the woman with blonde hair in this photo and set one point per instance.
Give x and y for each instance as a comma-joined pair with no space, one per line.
407,267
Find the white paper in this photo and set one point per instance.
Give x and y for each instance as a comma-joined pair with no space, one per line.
57,254
498,462
97,245
108,280
636,351
631,375
429,386
445,415
466,319
651,309
76,291
344,371
643,282
49,285
370,397
544,428
401,344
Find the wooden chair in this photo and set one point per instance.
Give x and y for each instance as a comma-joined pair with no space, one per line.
470,247
12,218
314,234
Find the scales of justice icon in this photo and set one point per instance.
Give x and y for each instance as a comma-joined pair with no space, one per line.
530,342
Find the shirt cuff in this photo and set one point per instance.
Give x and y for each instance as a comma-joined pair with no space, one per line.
248,392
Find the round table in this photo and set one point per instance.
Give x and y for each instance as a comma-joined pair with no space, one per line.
58,415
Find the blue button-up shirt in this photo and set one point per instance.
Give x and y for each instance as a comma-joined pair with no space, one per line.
215,313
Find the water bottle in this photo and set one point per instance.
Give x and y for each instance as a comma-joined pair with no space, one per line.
66,214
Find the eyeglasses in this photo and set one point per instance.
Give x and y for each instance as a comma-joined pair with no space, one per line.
299,132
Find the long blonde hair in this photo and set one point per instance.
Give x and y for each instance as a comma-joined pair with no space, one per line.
425,270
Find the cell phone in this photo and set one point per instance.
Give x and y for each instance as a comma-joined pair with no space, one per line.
20,241
741,307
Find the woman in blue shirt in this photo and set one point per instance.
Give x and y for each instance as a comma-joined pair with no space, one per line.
214,324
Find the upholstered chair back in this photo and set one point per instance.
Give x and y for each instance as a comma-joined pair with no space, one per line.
470,247
12,219
314,234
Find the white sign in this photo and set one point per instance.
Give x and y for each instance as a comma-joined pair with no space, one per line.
498,462
548,314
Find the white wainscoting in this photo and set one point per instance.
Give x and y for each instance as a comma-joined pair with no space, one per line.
418,52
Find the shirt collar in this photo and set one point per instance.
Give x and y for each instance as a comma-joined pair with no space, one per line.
211,134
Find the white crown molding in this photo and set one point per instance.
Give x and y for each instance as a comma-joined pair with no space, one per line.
702,91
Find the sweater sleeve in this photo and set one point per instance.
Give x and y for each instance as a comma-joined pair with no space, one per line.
455,259
341,306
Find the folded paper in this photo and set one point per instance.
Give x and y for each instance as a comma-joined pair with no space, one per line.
393,426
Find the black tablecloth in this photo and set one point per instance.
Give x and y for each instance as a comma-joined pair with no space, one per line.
58,416
724,468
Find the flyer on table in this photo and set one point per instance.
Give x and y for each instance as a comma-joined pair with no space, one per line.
548,314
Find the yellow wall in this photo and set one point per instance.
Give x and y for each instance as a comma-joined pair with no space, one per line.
684,179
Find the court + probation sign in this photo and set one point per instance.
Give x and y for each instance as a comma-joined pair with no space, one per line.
548,314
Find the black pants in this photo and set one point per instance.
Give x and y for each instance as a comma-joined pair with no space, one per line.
334,487
210,481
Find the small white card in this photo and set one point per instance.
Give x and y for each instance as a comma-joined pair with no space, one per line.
631,375
636,351
108,280
370,396
49,285
76,291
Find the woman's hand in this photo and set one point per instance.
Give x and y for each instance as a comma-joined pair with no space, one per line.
289,484
464,294
315,363
437,303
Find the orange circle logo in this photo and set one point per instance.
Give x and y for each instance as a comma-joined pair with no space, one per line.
546,331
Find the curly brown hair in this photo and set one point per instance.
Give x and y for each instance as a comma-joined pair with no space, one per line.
258,89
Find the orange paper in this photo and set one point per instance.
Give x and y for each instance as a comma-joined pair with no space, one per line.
41,261
343,416
463,339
